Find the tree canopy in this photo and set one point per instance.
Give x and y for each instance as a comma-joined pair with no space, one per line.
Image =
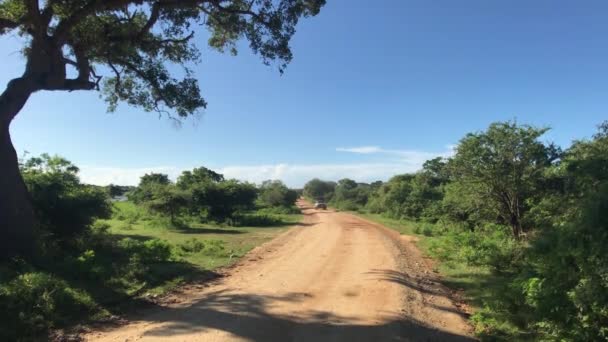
123,47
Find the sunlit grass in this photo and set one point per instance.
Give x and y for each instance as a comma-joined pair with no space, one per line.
134,222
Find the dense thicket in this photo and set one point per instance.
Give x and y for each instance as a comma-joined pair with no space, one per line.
535,216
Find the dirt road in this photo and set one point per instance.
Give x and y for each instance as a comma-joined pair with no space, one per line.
335,277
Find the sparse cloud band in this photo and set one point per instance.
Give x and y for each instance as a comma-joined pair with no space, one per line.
294,175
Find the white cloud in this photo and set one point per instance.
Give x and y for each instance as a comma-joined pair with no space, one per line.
294,175
122,176
360,149
410,157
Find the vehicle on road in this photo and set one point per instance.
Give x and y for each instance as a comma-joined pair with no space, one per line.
320,205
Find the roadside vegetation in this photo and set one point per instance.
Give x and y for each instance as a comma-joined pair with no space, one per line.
96,257
519,224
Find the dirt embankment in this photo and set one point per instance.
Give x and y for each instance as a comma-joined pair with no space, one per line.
334,277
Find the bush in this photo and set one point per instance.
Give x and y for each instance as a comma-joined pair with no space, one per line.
150,251
255,220
34,302
64,207
192,246
205,247
279,210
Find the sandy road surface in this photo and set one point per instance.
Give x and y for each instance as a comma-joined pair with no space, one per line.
335,277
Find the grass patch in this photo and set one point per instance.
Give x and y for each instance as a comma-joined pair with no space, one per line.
231,242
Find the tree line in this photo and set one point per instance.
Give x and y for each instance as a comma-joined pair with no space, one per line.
205,196
534,214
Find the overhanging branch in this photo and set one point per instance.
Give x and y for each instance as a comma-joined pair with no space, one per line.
7,24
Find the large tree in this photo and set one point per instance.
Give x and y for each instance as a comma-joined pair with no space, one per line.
122,48
504,167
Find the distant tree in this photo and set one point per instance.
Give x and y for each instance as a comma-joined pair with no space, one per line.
123,48
114,190
504,166
117,190
222,200
154,178
350,195
392,197
319,190
168,199
201,174
276,194
148,183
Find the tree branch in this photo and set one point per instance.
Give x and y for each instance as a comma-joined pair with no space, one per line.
154,14
91,7
117,74
94,5
152,84
7,24
75,84
249,12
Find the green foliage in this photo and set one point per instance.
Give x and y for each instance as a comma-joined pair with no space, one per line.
117,190
220,201
350,195
85,268
168,200
256,219
154,250
132,43
504,167
319,190
279,210
276,194
64,207
215,248
148,184
410,196
200,193
525,225
198,175
567,290
34,302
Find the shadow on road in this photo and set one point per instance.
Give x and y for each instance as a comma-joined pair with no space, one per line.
405,280
249,316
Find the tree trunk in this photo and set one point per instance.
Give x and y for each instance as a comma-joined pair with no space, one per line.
516,226
16,213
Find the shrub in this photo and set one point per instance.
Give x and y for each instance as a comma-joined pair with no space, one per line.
154,250
64,206
192,246
34,302
279,210
255,220
215,248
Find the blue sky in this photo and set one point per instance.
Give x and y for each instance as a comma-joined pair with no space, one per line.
376,87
